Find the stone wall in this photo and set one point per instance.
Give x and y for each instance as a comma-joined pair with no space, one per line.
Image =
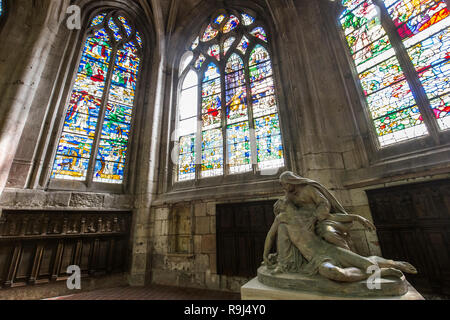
33,200
174,233
198,268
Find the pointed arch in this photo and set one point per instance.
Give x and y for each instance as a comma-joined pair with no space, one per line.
233,139
93,145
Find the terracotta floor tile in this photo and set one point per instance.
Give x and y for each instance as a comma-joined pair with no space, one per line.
153,292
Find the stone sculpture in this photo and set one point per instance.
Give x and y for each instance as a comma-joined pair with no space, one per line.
311,230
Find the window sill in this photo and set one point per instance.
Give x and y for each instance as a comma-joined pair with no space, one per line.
219,189
424,161
77,186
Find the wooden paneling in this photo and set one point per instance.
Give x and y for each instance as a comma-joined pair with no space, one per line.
413,223
241,232
37,247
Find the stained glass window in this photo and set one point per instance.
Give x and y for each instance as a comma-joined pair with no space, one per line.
236,118
2,9
188,126
423,30
94,140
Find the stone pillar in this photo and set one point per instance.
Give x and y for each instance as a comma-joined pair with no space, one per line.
26,38
149,143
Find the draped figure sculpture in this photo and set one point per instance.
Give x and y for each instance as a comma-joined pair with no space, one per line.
311,228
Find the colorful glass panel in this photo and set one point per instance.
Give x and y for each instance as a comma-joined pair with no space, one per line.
235,63
76,142
101,37
264,105
112,152
269,142
381,76
212,119
235,118
239,149
109,172
211,88
94,50
352,4
436,80
243,45
214,51
247,20
72,145
441,109
210,33
200,61
236,91
259,55
212,72
232,24
259,33
393,98
260,71
70,168
237,105
139,39
195,43
235,79
431,51
388,94
211,113
365,35
212,104
96,21
227,45
115,29
126,25
220,19
212,153
78,138
414,16
186,166
119,113
400,126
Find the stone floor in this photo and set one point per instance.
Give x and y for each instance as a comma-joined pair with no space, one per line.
153,292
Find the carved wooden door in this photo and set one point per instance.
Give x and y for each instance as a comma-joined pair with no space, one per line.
413,223
241,232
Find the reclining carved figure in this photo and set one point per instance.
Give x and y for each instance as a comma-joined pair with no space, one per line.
313,236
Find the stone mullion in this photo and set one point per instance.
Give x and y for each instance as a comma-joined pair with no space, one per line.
251,120
223,96
410,72
198,138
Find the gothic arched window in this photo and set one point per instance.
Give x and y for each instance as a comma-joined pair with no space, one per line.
227,110
94,142
401,52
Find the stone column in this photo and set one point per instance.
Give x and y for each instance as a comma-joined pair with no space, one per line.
148,144
26,39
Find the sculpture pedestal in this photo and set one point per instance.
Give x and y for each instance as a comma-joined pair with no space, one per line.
254,290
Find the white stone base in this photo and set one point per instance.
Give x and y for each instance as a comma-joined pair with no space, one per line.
254,290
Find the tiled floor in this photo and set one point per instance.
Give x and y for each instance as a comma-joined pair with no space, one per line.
154,292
